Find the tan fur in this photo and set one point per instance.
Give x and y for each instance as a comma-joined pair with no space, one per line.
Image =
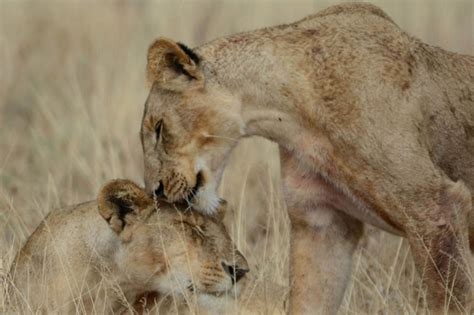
255,299
374,126
75,262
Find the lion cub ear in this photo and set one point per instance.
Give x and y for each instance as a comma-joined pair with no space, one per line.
121,202
173,66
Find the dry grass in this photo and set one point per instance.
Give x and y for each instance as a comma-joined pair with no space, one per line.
71,96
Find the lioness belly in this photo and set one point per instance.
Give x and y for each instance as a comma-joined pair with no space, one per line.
311,190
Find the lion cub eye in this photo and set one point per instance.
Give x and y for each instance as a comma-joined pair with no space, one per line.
158,129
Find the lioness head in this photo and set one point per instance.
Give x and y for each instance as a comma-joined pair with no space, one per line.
188,126
167,248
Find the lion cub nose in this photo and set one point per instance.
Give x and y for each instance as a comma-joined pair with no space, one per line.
160,191
235,272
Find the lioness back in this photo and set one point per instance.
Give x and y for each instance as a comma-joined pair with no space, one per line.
374,53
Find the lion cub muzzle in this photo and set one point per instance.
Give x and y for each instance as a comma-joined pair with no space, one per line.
235,272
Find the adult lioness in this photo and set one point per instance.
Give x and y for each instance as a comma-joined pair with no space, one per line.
102,256
373,125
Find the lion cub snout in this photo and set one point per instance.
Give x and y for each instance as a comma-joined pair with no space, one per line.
236,271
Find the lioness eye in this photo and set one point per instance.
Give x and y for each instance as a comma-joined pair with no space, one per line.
158,128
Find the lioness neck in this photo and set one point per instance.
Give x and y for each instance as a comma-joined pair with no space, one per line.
253,67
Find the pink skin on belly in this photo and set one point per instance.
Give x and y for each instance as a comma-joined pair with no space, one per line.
312,193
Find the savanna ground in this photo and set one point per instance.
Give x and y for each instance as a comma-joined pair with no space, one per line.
72,88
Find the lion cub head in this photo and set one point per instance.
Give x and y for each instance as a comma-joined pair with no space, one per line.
168,248
190,125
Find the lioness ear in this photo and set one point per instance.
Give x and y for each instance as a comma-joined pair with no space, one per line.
121,202
173,66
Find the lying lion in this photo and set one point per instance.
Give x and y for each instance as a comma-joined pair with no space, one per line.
106,255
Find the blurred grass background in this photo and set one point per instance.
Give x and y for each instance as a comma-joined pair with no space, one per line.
72,89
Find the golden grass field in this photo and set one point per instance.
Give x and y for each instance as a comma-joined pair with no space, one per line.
72,89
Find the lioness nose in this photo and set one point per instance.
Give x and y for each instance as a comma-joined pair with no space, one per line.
160,191
235,272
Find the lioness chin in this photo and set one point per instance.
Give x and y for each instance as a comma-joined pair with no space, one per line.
106,255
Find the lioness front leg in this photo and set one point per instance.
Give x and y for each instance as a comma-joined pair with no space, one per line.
322,243
323,240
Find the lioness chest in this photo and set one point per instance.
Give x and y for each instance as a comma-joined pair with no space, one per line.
314,195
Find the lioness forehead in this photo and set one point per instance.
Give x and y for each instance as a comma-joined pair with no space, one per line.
184,212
